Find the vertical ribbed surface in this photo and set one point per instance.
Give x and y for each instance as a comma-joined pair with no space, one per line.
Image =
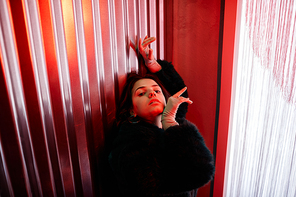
63,64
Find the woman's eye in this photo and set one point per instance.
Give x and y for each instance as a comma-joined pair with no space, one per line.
141,94
157,91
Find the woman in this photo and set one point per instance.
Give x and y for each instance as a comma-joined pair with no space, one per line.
157,151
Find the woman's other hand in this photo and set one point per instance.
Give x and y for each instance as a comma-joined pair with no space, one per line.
169,113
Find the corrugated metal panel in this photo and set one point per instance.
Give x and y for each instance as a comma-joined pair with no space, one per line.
63,64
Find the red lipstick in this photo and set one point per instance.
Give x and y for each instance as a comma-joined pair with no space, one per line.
154,100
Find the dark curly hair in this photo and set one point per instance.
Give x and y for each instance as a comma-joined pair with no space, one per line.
125,102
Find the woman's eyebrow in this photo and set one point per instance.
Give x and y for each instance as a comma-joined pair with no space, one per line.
140,88
145,87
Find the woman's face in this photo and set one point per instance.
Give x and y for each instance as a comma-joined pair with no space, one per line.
148,99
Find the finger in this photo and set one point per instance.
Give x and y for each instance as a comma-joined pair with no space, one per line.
178,94
148,41
150,56
141,48
185,100
189,101
145,38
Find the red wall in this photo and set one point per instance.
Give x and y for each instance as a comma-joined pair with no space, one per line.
194,53
227,63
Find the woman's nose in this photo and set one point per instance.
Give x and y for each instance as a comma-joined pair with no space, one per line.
152,94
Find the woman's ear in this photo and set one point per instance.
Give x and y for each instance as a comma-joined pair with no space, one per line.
132,113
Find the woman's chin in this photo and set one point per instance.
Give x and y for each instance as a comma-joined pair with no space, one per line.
152,115
157,111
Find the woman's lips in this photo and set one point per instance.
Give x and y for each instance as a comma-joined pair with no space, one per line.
153,101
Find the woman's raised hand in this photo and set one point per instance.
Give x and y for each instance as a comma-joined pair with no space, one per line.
147,53
144,49
169,113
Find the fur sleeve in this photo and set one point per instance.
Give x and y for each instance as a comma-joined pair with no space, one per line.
189,163
172,82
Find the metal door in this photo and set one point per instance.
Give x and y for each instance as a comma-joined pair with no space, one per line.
62,67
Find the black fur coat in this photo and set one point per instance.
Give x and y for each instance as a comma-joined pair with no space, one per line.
148,161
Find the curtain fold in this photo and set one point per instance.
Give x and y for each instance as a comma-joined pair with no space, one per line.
261,157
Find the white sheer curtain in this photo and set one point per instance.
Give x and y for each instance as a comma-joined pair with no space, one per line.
261,155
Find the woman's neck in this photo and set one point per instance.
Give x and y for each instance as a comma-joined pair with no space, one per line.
156,121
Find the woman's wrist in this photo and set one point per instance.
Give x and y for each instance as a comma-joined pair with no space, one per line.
153,65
